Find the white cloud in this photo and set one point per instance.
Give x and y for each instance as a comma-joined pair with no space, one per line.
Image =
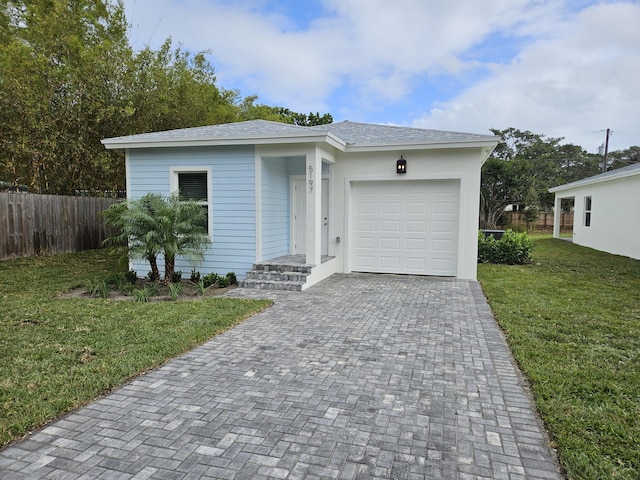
375,46
561,73
581,78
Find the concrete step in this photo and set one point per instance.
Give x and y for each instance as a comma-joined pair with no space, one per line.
282,267
272,285
277,276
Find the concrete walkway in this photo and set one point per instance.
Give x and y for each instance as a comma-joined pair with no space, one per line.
360,377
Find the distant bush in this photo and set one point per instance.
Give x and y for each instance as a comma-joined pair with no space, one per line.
513,248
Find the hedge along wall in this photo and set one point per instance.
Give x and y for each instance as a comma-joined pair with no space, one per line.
33,224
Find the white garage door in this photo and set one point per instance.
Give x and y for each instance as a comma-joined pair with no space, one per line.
405,227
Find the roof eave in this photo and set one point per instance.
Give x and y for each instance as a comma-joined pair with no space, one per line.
123,143
593,180
385,147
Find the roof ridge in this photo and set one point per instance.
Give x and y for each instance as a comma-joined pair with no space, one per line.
399,127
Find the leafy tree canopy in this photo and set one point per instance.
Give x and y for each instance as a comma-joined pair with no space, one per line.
622,158
69,78
523,167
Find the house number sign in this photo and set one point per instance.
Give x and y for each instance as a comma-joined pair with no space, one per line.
310,178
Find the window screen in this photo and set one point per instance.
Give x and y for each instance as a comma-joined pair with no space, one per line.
193,186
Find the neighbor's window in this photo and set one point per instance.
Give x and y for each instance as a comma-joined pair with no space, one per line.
194,185
587,211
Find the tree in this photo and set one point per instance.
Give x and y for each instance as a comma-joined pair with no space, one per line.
622,158
501,185
155,225
181,229
69,78
523,167
304,120
60,92
135,224
249,110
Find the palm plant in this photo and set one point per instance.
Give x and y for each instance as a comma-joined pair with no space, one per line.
181,228
156,225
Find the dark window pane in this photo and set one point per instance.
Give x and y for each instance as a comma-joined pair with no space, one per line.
193,186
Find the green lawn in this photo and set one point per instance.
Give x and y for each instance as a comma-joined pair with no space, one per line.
57,354
573,323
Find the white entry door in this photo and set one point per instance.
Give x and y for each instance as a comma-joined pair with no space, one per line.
406,227
299,213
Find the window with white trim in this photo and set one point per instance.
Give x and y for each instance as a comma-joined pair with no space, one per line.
587,211
193,184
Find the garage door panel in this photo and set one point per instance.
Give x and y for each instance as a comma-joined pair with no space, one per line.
416,208
415,264
441,267
365,244
389,263
415,226
441,245
415,244
405,227
365,226
364,207
366,261
448,208
392,244
438,226
390,226
390,207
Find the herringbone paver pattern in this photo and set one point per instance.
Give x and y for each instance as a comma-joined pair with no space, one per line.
359,377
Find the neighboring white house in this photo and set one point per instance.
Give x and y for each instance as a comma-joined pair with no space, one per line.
345,197
606,211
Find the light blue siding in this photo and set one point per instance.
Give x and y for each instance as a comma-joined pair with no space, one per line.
232,192
275,208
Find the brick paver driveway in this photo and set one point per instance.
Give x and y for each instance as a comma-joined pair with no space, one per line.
361,376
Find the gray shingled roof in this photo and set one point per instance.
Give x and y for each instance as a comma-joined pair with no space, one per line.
249,129
350,133
370,134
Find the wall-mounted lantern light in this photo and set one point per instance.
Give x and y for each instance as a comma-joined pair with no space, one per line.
401,166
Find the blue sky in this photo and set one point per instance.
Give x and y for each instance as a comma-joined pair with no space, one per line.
563,68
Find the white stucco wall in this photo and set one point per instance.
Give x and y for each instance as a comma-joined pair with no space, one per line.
615,217
462,165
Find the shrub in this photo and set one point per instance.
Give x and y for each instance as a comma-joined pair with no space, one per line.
218,280
195,276
513,248
131,276
210,279
176,277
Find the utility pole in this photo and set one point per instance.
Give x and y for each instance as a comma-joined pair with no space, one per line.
606,151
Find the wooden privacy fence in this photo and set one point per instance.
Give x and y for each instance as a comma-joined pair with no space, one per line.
544,221
33,224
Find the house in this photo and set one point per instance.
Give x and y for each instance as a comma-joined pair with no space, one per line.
606,216
345,197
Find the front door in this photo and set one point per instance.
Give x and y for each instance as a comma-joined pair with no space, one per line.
300,216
